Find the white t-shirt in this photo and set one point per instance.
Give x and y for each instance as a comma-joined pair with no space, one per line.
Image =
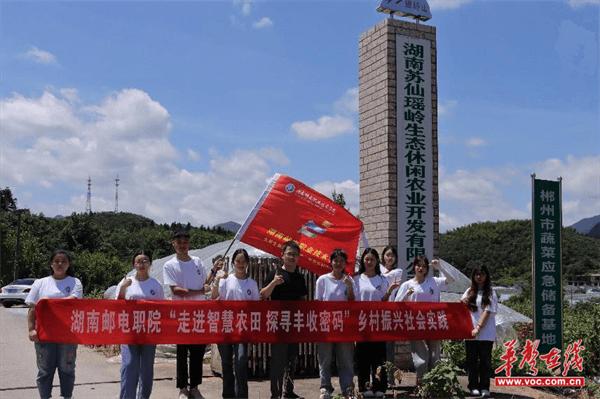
147,289
188,275
370,288
488,331
428,291
48,287
394,275
235,289
328,288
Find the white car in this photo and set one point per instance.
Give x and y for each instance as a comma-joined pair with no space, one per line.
16,292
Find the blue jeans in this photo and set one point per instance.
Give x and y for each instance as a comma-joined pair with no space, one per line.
51,356
344,356
137,365
234,357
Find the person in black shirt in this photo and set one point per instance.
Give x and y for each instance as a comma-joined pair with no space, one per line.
284,284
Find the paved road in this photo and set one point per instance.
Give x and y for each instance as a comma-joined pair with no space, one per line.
97,376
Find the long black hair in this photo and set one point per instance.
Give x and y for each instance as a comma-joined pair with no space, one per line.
486,297
367,251
393,249
243,252
338,253
67,254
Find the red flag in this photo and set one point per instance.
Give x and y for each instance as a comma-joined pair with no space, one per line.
290,210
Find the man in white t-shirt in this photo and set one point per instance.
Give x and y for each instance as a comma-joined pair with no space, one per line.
186,276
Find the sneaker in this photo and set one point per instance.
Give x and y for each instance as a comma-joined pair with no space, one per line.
183,393
195,393
292,395
324,394
475,392
368,394
485,393
379,394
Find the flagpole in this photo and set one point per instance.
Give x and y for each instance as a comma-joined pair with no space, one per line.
253,212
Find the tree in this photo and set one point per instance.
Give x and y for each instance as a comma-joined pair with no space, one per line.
338,198
8,203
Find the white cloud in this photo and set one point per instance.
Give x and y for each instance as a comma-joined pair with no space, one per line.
580,185
348,103
349,188
245,6
323,128
327,126
193,155
468,196
577,48
127,133
446,107
40,56
447,4
264,22
472,196
475,142
47,115
582,3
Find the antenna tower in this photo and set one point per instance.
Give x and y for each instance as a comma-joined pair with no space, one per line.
117,180
88,204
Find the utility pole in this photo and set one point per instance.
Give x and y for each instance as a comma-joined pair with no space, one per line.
88,204
117,180
18,243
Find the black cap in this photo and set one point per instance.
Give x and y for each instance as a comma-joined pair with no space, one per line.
180,234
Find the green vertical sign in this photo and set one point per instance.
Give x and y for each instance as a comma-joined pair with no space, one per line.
547,264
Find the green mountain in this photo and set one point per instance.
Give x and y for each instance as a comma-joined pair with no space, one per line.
505,247
102,243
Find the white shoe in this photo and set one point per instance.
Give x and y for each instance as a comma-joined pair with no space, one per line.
475,392
485,393
324,394
183,393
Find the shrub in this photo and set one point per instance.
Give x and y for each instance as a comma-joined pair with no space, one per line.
441,382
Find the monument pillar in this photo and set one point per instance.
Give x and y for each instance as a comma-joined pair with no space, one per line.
399,201
383,103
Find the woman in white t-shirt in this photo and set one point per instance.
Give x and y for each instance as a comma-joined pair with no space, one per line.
483,304
371,286
234,357
137,361
335,286
51,356
424,288
394,274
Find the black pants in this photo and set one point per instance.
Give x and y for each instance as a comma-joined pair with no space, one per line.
479,363
196,359
282,368
369,356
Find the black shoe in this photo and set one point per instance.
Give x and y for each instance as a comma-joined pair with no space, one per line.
292,395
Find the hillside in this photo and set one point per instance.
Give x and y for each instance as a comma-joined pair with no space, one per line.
595,231
584,226
505,247
102,243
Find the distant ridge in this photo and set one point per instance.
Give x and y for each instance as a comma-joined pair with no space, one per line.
230,226
584,226
595,231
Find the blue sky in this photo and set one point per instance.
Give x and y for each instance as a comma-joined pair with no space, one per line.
196,104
